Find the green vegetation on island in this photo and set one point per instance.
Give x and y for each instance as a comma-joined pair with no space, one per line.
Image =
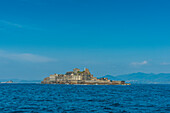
80,77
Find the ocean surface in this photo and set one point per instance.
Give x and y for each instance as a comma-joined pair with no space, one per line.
41,98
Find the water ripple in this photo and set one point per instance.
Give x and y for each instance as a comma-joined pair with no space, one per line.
40,98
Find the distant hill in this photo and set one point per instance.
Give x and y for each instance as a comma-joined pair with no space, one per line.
143,78
137,78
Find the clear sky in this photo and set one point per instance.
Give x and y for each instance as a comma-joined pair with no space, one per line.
42,37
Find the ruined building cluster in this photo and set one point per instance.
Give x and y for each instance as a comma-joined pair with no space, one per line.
78,77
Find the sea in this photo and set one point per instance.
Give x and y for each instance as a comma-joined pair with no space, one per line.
53,98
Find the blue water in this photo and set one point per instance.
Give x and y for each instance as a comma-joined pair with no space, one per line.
18,98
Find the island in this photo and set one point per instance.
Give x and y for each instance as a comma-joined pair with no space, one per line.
8,82
80,77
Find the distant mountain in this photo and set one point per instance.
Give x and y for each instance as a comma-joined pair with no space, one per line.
137,78
143,78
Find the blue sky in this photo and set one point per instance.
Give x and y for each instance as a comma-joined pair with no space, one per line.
42,37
